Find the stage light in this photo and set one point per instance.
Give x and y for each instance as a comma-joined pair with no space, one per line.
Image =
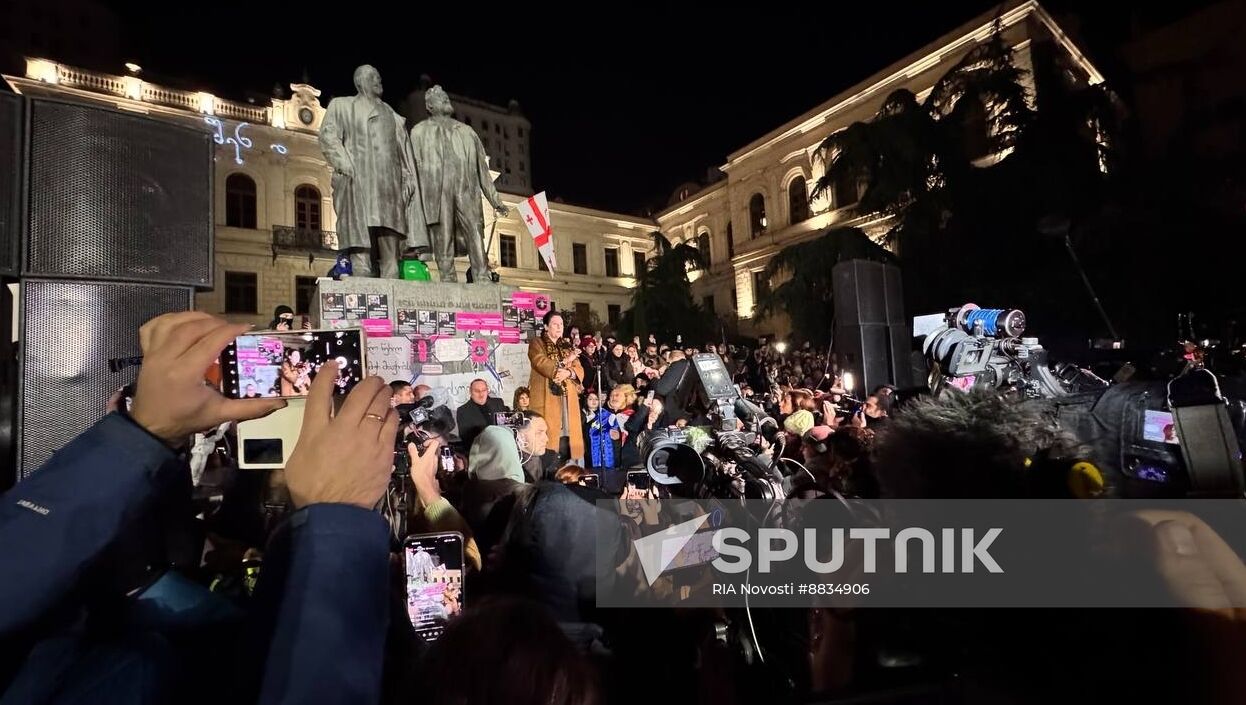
781,347
133,68
849,382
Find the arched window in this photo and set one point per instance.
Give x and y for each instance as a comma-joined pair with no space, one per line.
703,244
240,201
307,207
730,242
798,200
756,215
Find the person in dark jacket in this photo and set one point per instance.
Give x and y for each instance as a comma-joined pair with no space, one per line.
477,412
320,614
590,360
618,368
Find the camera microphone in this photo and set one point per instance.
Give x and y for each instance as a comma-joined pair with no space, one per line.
750,413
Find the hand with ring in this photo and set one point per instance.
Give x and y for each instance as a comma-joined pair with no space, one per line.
347,458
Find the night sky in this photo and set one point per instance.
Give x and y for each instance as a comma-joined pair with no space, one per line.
623,109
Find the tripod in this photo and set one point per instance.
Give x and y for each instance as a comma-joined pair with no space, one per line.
399,498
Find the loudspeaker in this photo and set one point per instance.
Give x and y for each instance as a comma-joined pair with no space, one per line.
11,161
117,196
872,336
69,332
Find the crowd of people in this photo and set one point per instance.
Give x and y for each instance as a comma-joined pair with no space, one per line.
123,583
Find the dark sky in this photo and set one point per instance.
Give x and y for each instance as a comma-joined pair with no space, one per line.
623,108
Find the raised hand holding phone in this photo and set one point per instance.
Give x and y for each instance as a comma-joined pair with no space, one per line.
347,458
171,400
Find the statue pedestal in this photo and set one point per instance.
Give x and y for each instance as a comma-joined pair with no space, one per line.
444,335
410,307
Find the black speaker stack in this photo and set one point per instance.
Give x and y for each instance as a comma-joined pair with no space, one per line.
105,222
872,337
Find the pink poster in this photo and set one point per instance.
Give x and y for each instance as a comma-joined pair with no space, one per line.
378,327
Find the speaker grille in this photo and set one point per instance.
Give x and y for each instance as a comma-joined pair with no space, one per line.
10,180
118,196
70,330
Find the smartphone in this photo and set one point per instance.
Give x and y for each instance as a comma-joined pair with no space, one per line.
649,397
638,479
696,551
434,576
508,418
282,364
591,479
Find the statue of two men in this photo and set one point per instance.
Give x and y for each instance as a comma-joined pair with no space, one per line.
392,189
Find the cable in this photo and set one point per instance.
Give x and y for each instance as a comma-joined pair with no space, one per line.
748,611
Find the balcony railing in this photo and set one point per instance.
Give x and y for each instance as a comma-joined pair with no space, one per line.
288,239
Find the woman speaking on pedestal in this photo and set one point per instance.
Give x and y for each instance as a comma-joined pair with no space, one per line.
555,385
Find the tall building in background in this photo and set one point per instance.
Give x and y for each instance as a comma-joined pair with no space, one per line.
505,131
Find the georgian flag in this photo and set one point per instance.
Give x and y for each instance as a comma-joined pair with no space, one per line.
535,214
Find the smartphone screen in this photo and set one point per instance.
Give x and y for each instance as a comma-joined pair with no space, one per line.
434,572
1158,426
697,551
638,479
591,480
284,363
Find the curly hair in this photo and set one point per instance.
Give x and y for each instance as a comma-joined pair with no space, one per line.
972,445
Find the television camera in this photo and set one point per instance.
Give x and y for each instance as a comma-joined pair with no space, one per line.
983,348
724,459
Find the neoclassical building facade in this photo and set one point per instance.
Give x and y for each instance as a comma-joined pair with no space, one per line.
275,221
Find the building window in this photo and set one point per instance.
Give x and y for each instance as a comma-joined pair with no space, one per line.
798,200
509,253
761,286
707,303
307,207
730,242
540,262
639,264
240,201
521,165
735,299
582,315
506,133
613,313
612,261
703,244
757,215
304,294
241,289
579,258
846,192
497,128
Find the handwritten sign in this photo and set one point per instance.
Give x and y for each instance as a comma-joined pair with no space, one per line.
511,362
389,358
450,349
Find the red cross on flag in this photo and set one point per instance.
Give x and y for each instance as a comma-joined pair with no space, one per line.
535,214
